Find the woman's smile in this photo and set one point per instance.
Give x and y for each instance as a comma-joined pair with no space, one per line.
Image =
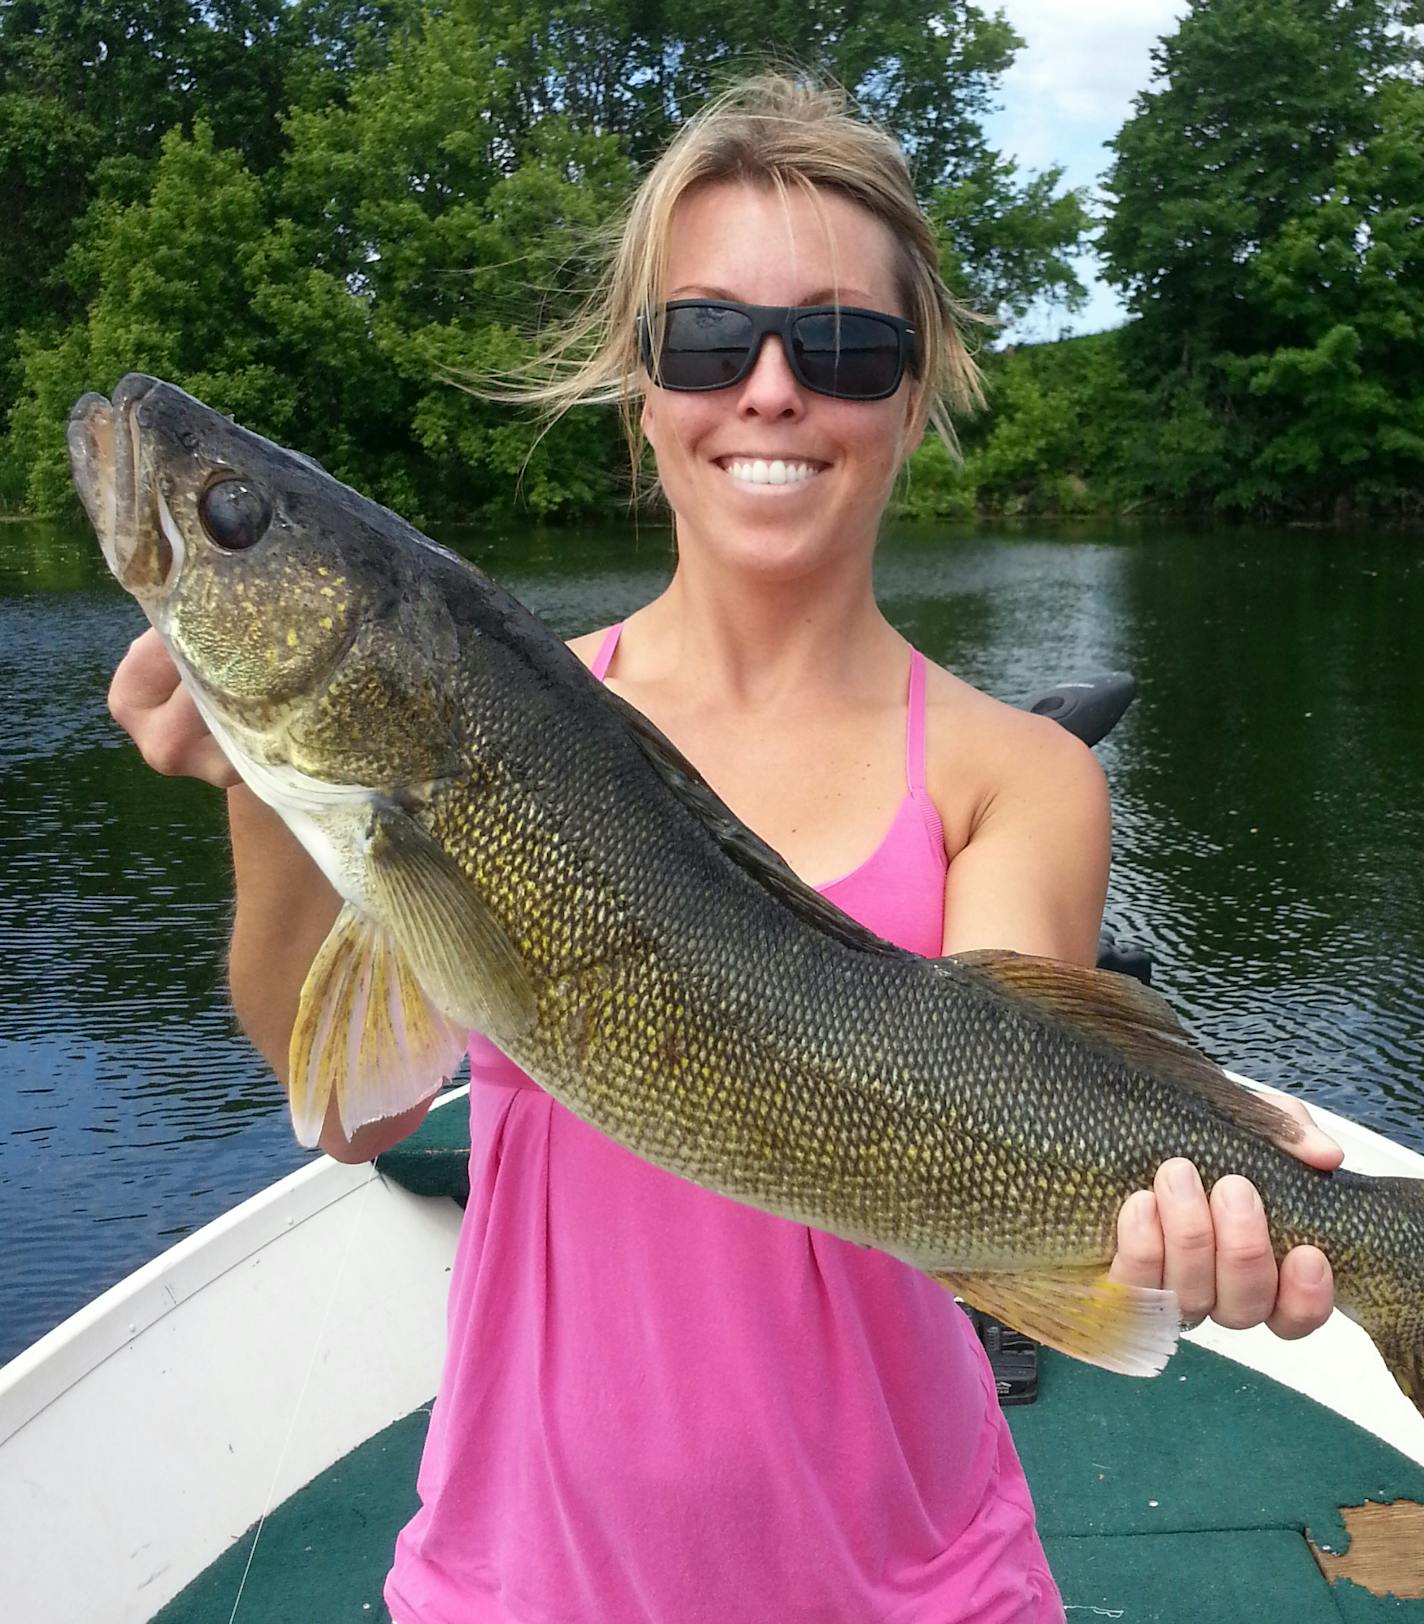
769,471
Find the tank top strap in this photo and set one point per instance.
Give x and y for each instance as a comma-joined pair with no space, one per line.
606,650
915,724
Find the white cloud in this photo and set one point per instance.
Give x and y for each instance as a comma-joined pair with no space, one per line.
1069,91
1072,85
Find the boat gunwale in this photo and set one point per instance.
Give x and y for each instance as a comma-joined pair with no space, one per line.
41,1374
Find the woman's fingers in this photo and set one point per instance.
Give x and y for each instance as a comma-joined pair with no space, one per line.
1140,1246
147,700
1246,1280
1307,1293
1189,1266
1168,1236
1216,1254
143,680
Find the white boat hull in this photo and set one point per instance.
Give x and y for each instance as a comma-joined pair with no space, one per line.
139,1439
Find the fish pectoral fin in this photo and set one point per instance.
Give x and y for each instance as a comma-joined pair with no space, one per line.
365,1033
1138,1023
1132,1330
460,953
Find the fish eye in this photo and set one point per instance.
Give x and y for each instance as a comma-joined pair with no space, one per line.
234,514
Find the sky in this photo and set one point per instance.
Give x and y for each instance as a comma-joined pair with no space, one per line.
1069,90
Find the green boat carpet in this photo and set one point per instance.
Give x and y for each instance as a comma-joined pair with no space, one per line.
435,1160
1181,1499
322,1556
1207,1445
1264,1574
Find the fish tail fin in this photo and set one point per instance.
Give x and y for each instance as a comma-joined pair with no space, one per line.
1079,1311
1384,1292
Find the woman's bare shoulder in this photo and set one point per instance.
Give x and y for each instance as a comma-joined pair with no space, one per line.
965,718
1027,826
982,754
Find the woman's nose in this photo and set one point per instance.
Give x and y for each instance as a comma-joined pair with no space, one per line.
770,389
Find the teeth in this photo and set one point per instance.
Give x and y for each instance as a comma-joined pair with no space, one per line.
760,472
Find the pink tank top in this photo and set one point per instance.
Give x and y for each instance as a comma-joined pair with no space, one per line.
662,1407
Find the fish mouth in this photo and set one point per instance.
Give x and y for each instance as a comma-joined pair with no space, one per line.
136,533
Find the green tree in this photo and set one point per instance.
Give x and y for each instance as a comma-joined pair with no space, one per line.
171,282
434,193
74,79
1058,437
927,70
88,90
1253,104
198,284
1264,196
1004,247
1343,415
418,201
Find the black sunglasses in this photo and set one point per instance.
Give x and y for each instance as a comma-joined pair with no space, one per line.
832,349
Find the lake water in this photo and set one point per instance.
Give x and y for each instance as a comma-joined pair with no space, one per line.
1269,803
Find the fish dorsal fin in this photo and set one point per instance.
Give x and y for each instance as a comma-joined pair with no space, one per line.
1122,1014
747,850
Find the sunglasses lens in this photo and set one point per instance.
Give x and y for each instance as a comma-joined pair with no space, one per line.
853,357
704,347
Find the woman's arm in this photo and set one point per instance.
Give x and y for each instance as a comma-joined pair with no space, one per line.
1031,877
284,905
1033,873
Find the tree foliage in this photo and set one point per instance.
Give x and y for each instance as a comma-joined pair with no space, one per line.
1266,201
1343,284
314,215
1253,104
317,213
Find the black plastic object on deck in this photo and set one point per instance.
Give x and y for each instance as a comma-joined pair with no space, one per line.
1089,708
1013,1357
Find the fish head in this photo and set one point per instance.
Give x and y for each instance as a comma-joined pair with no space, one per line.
231,544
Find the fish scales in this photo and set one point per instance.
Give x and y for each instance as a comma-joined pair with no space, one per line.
520,851
865,1133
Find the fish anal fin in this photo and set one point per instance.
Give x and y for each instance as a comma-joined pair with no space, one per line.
1132,1330
459,952
366,1034
1122,1014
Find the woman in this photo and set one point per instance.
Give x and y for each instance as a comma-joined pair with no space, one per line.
659,1406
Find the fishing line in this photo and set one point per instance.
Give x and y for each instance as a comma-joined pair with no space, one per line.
306,1380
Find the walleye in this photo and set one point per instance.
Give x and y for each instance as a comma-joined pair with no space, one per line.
521,852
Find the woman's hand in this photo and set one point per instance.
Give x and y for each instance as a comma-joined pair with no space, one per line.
1215,1252
147,699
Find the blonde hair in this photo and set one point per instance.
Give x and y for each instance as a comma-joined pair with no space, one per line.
768,130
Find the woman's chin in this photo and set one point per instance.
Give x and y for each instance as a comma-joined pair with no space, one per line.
767,553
